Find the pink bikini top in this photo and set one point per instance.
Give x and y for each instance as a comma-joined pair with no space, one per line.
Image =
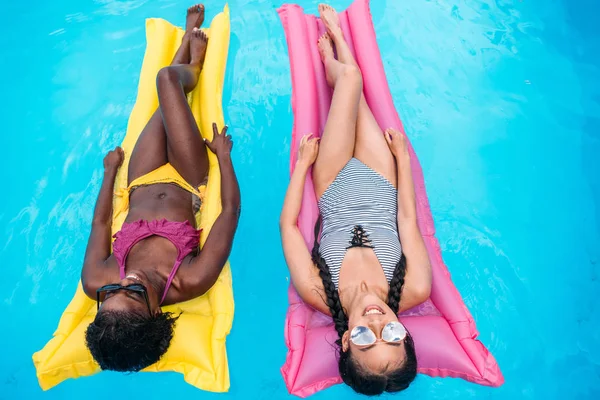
181,234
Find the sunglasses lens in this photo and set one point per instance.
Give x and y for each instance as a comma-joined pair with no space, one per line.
362,336
105,290
393,332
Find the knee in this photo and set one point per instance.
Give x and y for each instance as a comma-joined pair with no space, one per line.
352,74
167,75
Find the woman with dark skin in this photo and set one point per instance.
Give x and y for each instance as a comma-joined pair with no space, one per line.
370,262
130,332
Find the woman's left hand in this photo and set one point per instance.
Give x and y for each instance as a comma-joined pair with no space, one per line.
114,159
308,150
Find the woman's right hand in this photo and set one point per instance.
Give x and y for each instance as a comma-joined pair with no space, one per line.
308,150
397,142
221,143
114,159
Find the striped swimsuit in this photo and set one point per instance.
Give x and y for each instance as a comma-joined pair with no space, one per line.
359,209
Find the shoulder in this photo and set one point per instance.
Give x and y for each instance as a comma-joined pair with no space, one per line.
98,275
312,291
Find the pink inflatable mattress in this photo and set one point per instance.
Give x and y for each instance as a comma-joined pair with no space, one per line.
443,329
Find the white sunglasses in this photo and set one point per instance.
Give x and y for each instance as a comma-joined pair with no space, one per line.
393,332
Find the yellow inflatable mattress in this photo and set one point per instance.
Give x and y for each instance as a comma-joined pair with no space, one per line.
198,346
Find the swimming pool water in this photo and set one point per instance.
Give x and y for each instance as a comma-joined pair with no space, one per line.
501,100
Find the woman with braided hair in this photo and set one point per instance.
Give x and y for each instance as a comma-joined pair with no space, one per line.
370,262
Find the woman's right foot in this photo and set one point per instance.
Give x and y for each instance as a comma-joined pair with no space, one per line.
325,47
332,66
331,21
198,44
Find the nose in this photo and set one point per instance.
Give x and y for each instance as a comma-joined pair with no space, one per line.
376,326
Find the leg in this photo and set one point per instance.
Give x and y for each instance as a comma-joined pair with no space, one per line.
186,150
337,141
150,151
371,147
332,24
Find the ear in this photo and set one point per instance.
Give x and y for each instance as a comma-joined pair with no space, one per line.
345,341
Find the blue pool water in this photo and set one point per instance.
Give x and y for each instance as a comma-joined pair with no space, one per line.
501,100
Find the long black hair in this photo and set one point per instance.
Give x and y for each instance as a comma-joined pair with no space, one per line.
352,373
126,341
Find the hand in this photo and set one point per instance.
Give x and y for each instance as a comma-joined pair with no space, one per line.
398,144
308,150
114,159
221,144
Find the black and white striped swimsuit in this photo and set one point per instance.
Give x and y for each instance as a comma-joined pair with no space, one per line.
359,209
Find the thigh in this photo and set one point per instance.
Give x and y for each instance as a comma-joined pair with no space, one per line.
371,147
186,150
338,139
150,151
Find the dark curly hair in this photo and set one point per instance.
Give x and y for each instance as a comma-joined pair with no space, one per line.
352,373
128,341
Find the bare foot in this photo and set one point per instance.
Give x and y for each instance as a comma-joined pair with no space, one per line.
331,20
195,17
325,47
198,44
332,66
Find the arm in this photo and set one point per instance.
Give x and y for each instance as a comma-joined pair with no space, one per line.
208,265
305,276
98,247
417,282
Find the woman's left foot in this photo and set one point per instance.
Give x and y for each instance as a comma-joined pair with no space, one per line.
331,20
195,17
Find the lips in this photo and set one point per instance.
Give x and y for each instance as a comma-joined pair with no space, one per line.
133,277
373,310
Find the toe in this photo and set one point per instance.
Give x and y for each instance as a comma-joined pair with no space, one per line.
196,8
323,40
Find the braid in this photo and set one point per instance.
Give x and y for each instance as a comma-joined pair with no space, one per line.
333,298
396,285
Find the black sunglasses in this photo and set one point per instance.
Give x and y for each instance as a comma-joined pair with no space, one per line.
135,287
